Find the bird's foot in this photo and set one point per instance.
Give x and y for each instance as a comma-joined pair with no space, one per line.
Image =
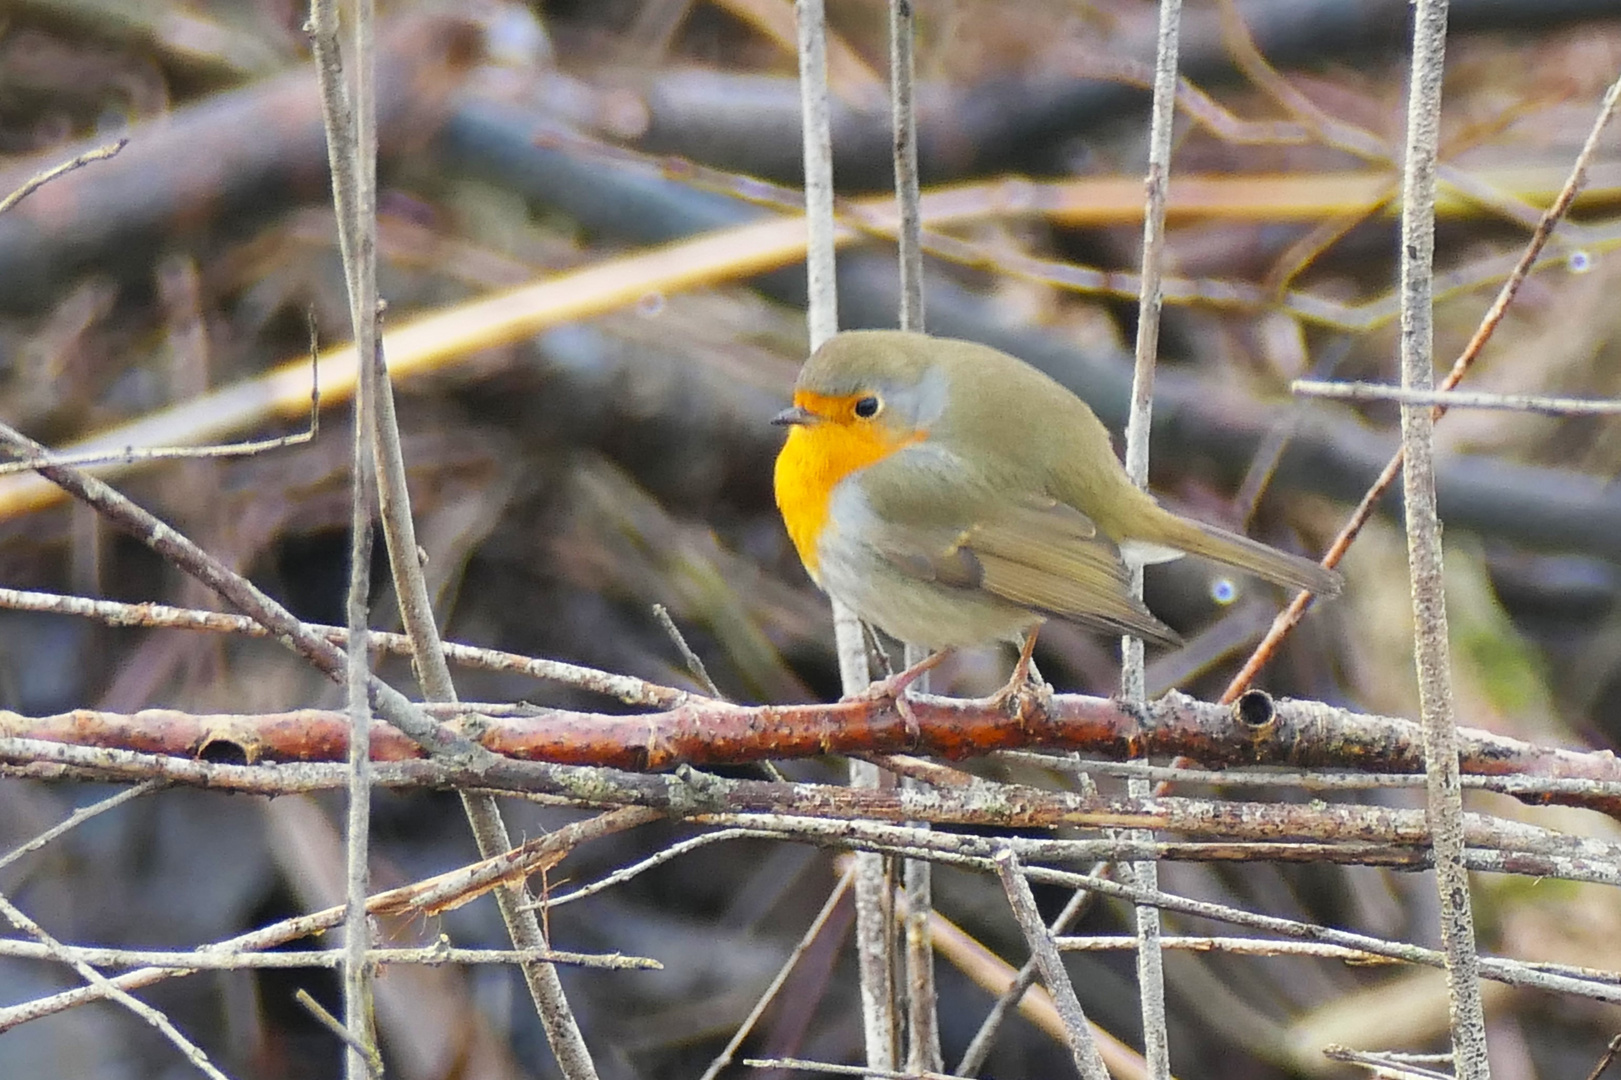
894,689
1020,682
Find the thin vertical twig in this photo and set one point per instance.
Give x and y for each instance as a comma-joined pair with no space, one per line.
483,813
351,152
821,281
433,672
822,304
903,117
1088,1062
922,1018
1444,795
1150,960
875,932
361,1062
922,1005
357,972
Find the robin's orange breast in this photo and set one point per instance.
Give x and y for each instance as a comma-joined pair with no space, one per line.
816,458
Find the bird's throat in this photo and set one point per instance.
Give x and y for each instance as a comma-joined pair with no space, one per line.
816,458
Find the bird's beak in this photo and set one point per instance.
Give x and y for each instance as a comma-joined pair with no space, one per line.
794,414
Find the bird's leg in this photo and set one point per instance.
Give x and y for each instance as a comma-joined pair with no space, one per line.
1027,651
877,655
1020,680
895,685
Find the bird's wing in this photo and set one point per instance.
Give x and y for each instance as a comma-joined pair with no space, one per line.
941,525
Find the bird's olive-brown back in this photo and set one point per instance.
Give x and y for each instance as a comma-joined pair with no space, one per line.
1042,438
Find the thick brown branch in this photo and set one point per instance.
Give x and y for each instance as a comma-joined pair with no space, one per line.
1260,732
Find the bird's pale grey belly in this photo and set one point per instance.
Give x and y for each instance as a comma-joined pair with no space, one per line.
903,606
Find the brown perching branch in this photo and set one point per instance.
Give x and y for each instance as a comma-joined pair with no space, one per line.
1301,734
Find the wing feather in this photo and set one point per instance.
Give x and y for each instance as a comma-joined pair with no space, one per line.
1033,551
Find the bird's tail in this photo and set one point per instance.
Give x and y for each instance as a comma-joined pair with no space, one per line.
1233,549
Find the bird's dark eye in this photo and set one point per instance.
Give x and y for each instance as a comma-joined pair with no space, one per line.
868,407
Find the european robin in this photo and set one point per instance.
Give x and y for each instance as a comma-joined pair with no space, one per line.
952,495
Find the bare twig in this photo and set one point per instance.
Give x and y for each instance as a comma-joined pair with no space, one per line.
1507,971
922,1006
1348,834
77,818
832,1069
995,975
1236,946
695,665
641,866
979,1048
626,688
355,193
102,984
362,1049
1390,1065
1023,901
922,1016
874,931
422,896
129,455
348,112
1150,964
822,311
39,180
436,955
357,973
1456,399
1444,801
1312,779
903,118
281,623
814,930
1610,1053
